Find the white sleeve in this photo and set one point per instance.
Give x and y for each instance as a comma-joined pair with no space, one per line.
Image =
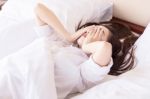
43,31
92,74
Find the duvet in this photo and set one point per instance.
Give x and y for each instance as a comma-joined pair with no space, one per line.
28,73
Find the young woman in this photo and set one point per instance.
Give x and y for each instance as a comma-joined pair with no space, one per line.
102,49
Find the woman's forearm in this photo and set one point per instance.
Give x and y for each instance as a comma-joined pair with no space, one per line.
90,47
48,17
102,56
101,52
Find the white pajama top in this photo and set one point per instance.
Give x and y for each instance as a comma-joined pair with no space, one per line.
74,70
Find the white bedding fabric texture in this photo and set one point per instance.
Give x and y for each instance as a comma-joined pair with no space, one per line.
21,74
28,73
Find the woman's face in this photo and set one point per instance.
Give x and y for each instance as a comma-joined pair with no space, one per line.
104,33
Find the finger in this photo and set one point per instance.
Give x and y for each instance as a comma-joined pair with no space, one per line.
101,34
97,32
80,32
91,27
88,38
90,32
84,31
96,36
94,33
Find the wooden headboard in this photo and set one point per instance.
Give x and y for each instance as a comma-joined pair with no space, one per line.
134,27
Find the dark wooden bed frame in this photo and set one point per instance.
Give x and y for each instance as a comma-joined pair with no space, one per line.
134,27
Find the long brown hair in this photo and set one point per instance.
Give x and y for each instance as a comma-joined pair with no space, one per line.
122,40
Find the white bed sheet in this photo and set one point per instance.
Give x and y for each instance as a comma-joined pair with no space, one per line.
5,22
28,73
15,35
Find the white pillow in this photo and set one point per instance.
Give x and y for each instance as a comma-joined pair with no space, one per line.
70,12
142,51
143,47
19,10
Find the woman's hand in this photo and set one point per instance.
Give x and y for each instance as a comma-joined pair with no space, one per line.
80,33
77,35
93,34
93,40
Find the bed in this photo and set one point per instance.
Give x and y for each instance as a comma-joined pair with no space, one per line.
19,45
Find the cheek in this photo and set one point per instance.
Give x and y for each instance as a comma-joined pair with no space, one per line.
106,37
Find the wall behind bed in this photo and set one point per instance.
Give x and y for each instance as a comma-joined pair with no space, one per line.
135,11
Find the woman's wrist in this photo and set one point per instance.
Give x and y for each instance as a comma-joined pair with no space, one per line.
73,37
85,48
70,38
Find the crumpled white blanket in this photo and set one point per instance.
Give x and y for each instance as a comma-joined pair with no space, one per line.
131,85
28,73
